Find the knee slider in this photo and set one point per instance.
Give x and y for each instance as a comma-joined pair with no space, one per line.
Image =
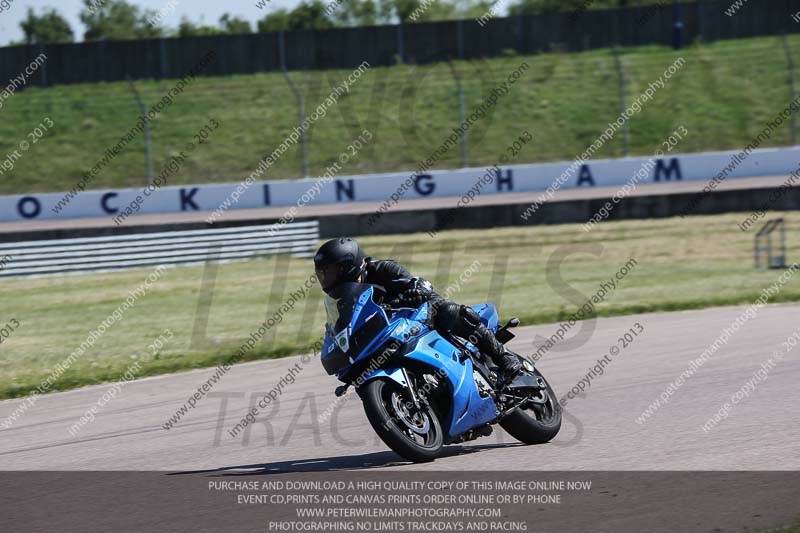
470,316
447,315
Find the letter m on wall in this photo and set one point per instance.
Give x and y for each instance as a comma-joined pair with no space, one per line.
667,171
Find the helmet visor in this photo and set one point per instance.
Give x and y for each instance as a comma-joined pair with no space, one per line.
329,276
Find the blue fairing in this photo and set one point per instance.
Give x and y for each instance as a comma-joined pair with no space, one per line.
489,316
364,309
468,409
422,345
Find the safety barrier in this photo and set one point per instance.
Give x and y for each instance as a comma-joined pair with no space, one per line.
122,252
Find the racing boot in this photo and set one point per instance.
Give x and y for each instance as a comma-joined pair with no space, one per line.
466,323
508,364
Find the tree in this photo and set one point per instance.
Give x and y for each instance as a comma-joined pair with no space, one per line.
49,27
117,19
442,10
316,14
357,13
538,7
309,16
234,25
405,9
188,29
409,11
278,20
477,9
306,16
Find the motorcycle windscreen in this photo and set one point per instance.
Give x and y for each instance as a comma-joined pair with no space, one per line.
340,304
353,322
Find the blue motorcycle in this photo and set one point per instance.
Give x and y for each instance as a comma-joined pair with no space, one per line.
421,389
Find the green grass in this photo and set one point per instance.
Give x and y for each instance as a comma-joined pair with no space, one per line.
788,529
723,95
682,264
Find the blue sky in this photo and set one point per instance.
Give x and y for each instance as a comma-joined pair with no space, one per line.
196,10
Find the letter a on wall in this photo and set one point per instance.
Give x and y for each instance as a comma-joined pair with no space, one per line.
585,176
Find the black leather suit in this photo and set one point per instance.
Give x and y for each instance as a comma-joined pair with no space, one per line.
447,316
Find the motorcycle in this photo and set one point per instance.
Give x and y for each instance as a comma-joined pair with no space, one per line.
421,389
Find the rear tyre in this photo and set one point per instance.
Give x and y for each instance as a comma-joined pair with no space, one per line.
415,435
538,422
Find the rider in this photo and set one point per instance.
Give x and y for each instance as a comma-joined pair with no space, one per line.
341,260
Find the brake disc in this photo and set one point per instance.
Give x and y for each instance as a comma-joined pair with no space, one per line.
417,422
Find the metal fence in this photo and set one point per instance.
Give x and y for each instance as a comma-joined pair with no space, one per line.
386,45
123,252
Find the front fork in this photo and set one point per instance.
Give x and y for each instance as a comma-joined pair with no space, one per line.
410,387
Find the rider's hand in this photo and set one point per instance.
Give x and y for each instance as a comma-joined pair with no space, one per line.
420,291
423,287
407,299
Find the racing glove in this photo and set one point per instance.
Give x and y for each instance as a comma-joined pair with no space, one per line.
418,291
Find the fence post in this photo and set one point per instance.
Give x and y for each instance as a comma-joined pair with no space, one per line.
301,110
701,26
148,154
461,115
792,86
401,47
162,58
677,27
622,101
43,69
460,38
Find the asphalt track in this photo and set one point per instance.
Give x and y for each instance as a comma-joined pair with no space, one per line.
640,473
600,429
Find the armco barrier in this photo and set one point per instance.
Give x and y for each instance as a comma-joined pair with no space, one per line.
94,254
382,187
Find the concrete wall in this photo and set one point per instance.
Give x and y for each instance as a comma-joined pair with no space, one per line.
390,188
576,211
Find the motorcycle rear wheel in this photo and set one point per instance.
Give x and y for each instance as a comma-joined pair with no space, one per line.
415,435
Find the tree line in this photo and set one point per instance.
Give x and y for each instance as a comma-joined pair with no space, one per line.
119,19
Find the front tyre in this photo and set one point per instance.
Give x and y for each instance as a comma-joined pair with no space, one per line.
539,421
415,435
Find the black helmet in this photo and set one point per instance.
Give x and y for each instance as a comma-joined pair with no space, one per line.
338,261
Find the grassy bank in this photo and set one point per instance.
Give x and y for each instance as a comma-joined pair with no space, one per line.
679,264
722,96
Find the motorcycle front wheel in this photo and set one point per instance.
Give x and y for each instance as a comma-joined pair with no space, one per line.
414,434
540,420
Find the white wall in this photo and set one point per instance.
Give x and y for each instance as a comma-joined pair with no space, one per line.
345,189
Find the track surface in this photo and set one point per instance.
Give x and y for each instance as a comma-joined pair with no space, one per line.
600,431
